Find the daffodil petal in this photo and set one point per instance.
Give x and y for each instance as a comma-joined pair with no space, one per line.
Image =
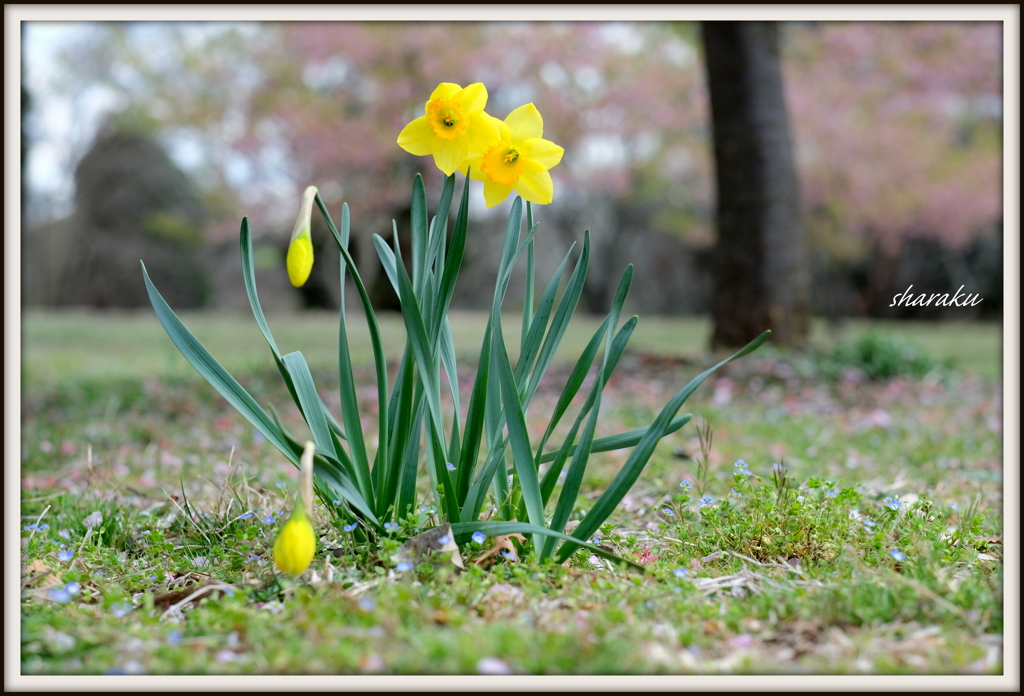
535,187
525,123
482,133
495,193
472,165
416,138
473,97
449,154
543,152
445,90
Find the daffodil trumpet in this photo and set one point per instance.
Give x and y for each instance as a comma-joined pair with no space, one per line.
296,542
300,248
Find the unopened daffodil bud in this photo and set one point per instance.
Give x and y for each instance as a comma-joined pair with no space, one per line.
300,248
296,542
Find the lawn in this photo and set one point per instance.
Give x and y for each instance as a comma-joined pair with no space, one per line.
874,547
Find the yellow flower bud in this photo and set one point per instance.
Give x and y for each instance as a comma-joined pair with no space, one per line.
296,542
300,248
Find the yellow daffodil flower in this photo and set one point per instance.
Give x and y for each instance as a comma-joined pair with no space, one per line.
300,248
296,542
453,127
518,160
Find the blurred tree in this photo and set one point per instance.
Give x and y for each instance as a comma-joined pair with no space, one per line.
761,271
132,203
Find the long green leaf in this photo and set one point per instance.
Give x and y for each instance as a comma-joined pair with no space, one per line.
622,440
637,460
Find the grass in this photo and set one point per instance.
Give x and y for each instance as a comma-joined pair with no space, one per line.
145,487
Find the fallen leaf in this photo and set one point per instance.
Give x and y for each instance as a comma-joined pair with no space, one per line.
433,542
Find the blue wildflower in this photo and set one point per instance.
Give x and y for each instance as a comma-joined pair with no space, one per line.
350,527
668,511
253,558
742,466
831,493
680,572
954,506
449,466
367,604
269,519
509,555
706,500
281,484
120,609
30,527
869,523
391,526
736,493
595,540
245,516
146,532
65,556
892,503
43,526
479,537
174,638
686,485
898,555
73,587
336,502
778,467
60,594
403,566
444,539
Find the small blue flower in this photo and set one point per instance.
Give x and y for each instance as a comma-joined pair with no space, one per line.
740,464
706,500
479,537
668,511
595,540
892,503
449,466
403,566
367,604
954,506
153,578
98,574
736,493
146,532
120,609
245,516
269,519
43,526
65,556
281,484
778,467
869,523
680,572
444,539
253,558
686,485
350,527
391,526
73,587
509,555
336,502
898,555
60,594
831,494
174,638
30,527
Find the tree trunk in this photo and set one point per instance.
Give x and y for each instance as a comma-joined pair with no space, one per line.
761,273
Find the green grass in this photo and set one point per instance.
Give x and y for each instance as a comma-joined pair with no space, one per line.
783,578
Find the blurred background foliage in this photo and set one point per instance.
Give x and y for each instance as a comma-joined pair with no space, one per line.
897,130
